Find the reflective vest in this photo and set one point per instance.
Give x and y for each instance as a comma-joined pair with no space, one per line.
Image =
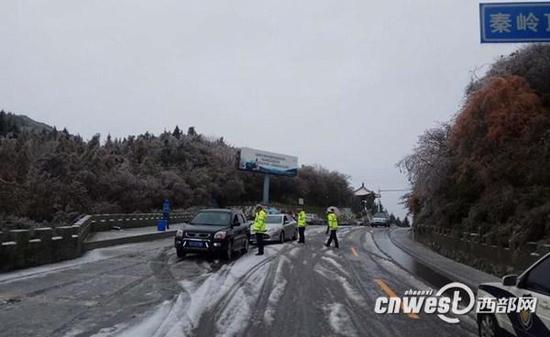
259,222
332,221
301,219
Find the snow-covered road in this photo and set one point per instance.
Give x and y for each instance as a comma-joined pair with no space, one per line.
145,290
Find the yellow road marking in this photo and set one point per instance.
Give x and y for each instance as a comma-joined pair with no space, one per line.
390,293
354,252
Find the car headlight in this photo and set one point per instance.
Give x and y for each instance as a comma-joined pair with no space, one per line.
220,235
179,233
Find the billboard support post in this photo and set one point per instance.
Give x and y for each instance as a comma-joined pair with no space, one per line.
265,199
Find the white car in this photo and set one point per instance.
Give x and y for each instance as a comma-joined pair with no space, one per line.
380,219
280,227
533,283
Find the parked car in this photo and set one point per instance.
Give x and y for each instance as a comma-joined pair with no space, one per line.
220,231
380,219
280,227
534,283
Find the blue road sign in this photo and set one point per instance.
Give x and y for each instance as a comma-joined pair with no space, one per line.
515,22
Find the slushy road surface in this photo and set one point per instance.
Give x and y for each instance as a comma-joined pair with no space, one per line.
293,290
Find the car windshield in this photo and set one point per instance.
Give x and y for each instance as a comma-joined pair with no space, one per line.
380,215
211,218
274,219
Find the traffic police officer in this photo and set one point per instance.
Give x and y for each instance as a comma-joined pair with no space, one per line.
333,226
301,225
259,228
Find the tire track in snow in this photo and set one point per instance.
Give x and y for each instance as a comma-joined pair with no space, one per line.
361,307
229,306
215,297
279,284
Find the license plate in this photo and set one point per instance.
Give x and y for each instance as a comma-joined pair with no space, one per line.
196,244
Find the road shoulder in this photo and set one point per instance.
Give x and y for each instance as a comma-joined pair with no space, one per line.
402,238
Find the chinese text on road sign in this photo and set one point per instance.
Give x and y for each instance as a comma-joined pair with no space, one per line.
515,22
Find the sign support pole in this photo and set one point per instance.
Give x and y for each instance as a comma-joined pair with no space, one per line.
266,189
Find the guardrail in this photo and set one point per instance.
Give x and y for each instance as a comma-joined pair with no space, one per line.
476,250
103,222
21,248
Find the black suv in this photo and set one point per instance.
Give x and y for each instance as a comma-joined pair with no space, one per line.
214,231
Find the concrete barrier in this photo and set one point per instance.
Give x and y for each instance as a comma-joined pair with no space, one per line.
471,249
105,222
21,248
10,256
126,240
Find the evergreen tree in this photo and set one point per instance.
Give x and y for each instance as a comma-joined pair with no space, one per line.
54,176
177,132
3,123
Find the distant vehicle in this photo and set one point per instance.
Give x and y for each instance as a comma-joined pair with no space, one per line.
380,219
220,231
364,221
347,221
534,283
280,228
314,219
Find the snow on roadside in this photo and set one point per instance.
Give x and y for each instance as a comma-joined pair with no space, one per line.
93,256
89,257
339,320
277,291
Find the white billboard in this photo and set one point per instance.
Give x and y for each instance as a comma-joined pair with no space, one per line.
267,162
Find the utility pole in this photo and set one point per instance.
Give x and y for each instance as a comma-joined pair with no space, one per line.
379,196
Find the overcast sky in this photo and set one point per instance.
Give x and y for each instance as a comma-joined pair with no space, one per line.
345,84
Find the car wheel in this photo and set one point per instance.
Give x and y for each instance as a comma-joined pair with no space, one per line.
228,254
488,327
282,237
245,247
180,253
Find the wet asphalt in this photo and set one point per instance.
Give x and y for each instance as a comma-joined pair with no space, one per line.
294,290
